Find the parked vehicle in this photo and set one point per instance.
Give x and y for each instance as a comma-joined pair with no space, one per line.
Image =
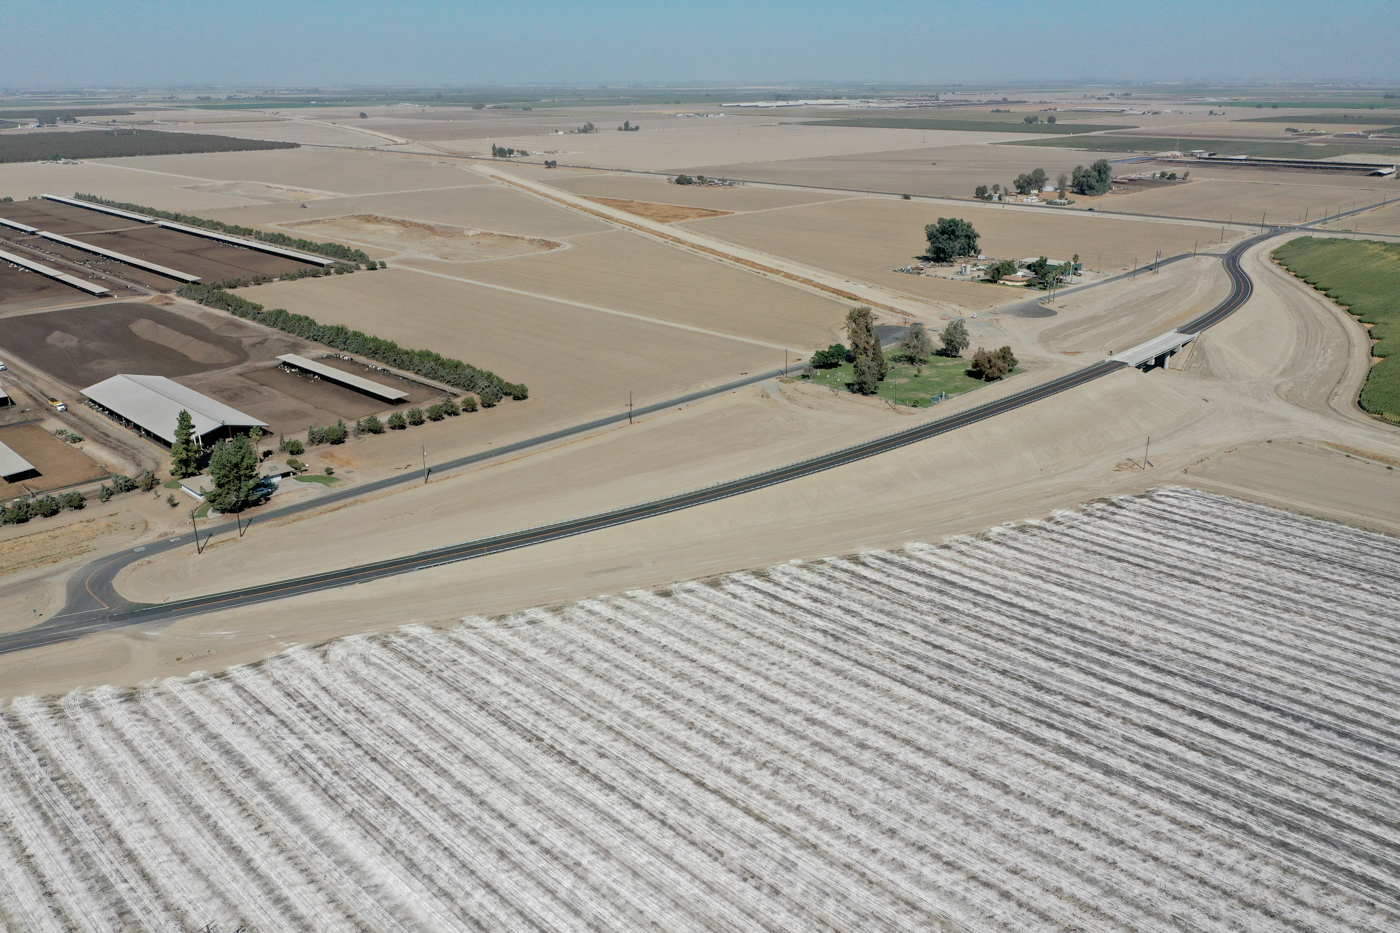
58,406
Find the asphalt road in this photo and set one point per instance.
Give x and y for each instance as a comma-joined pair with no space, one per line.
94,605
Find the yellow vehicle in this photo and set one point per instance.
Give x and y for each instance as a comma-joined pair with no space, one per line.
58,406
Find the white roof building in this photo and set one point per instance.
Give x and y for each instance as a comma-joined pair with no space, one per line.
13,465
154,403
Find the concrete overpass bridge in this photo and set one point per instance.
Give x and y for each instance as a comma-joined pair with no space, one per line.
1156,352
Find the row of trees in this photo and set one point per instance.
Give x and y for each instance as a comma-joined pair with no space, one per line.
950,239
486,384
628,127
20,511
1091,182
992,364
501,152
866,354
332,250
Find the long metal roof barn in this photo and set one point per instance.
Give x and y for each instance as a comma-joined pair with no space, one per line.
332,374
154,403
120,257
18,226
53,273
198,231
12,464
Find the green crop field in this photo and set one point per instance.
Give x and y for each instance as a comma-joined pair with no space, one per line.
906,384
1269,150
1362,276
1384,103
60,112
970,126
108,144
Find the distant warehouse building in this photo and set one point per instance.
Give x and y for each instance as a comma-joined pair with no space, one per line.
152,404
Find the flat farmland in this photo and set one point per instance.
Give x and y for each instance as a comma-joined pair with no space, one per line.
396,236
1013,732
1244,199
341,171
867,237
709,142
479,206
22,289
624,272
82,346
59,463
1381,220
949,171
63,219
121,182
577,361
644,188
316,133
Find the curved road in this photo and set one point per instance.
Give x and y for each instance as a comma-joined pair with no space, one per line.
94,605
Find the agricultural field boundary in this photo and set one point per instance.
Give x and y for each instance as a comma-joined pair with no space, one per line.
970,126
1362,277
113,144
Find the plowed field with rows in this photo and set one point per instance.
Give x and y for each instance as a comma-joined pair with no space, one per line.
1170,712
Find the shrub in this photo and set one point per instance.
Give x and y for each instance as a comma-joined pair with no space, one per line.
490,396
415,416
171,501
336,433
829,358
435,411
370,424
104,492
330,470
469,404
74,500
148,481
295,464
121,483
451,408
992,365
19,512
294,447
46,506
397,422
315,435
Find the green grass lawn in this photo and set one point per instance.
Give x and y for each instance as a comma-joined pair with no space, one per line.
202,511
171,484
1362,276
902,386
317,478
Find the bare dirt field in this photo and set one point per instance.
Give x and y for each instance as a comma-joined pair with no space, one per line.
477,205
951,171
21,289
64,219
211,260
868,237
343,171
662,213
440,241
286,401
121,182
625,272
58,462
260,192
1381,220
292,131
737,199
577,361
82,346
1241,199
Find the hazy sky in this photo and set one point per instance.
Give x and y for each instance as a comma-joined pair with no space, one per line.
124,43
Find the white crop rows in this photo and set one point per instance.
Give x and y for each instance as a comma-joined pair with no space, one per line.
1173,712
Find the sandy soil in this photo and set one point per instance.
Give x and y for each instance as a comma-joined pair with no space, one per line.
439,241
622,271
665,213
257,191
290,130
1384,220
138,183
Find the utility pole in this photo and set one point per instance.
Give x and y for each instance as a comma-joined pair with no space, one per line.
629,406
197,548
1145,462
425,466
1134,269
785,361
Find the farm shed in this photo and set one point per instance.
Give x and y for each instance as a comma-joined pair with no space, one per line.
340,377
153,404
13,467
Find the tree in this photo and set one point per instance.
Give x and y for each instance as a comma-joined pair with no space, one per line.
1062,184
74,500
992,365
1092,181
916,346
397,422
435,412
860,330
233,466
1032,118
1038,178
336,433
295,448
363,115
1050,119
950,238
184,454
370,424
684,179
1000,270
148,481
415,416
1024,183
954,337
981,193
866,382
450,408
829,358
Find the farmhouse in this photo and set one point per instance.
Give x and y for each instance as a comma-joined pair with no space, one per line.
152,404
13,467
340,377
